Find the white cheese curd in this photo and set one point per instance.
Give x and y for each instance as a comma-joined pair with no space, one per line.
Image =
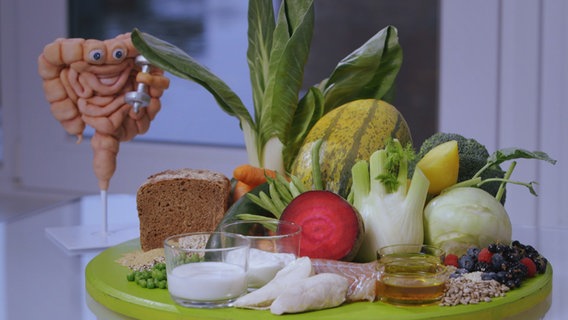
263,266
324,290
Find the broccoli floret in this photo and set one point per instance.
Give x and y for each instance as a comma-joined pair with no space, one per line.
473,156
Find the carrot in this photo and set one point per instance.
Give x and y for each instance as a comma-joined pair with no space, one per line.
240,190
251,175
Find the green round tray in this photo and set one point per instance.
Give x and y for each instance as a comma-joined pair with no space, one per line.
107,285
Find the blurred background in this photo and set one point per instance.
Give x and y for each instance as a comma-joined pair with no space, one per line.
491,70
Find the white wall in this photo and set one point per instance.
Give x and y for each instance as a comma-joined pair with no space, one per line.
503,81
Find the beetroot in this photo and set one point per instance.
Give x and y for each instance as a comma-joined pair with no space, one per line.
331,227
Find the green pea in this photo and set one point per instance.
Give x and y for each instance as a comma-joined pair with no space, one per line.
163,284
150,284
143,283
130,276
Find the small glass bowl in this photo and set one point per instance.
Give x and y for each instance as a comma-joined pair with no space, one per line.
206,269
274,244
410,274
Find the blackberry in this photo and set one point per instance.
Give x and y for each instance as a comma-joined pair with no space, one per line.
518,270
513,283
482,266
497,247
530,252
530,249
521,248
517,243
512,254
540,263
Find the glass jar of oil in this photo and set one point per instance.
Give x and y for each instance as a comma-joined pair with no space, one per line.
411,274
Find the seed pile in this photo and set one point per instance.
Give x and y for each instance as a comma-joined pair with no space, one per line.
147,269
471,289
140,260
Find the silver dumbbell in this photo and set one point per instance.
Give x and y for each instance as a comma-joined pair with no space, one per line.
139,98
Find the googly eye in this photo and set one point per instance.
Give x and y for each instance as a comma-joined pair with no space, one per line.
96,55
118,54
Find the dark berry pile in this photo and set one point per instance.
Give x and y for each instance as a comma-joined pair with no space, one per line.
508,265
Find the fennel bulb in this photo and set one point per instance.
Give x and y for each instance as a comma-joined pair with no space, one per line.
392,210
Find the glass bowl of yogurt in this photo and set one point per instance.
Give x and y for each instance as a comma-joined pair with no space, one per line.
274,244
206,269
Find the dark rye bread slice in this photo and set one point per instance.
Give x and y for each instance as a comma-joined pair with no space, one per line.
180,201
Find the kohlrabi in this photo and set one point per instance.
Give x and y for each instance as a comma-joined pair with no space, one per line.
465,215
392,209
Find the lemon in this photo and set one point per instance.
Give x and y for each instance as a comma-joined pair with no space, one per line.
441,166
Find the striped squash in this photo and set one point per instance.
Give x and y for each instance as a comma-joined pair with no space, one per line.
350,133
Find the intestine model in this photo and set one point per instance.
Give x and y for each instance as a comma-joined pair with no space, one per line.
105,85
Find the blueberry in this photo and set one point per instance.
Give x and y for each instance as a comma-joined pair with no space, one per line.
473,252
461,271
498,262
466,262
500,276
488,276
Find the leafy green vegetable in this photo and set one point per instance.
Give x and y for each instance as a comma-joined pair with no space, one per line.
391,209
368,72
280,193
498,157
507,154
178,63
277,52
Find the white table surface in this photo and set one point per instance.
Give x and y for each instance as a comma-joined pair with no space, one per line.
41,280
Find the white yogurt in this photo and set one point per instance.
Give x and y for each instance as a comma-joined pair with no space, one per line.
207,281
264,265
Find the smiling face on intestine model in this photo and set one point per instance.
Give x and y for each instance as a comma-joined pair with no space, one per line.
86,80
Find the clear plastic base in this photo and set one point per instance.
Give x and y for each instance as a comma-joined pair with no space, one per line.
97,228
84,239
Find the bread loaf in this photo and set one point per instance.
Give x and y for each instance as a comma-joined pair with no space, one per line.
180,201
